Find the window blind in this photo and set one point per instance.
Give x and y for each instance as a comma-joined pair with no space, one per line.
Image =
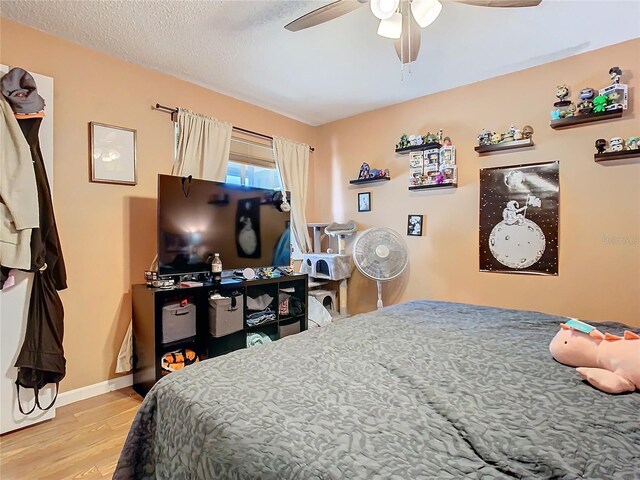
251,153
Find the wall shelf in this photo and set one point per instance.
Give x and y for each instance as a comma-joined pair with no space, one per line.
361,181
435,185
622,155
414,148
499,147
586,118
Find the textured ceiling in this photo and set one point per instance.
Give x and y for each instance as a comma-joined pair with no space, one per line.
334,70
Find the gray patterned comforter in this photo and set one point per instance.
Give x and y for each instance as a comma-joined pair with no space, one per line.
422,390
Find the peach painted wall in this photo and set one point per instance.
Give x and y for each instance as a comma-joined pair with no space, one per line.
599,204
108,232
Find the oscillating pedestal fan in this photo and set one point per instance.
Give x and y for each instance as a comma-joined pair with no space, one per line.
381,255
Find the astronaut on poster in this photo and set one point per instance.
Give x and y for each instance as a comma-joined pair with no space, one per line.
519,209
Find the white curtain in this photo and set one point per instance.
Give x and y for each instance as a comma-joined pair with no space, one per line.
292,159
203,146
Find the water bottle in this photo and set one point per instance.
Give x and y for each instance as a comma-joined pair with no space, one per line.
216,268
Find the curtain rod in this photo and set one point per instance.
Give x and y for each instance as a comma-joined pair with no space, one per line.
173,111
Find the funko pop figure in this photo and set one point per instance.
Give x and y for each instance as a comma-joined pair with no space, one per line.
615,73
562,92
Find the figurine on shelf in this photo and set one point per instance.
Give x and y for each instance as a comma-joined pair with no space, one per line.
507,137
600,104
562,92
613,101
616,144
440,136
586,100
514,133
415,140
431,138
601,145
404,142
435,164
617,93
496,138
615,74
484,138
450,174
364,171
571,110
633,143
527,131
377,173
517,134
447,155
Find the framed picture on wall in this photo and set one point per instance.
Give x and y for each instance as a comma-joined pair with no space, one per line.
414,225
519,217
364,202
112,154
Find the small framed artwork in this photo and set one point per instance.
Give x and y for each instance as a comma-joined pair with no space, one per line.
112,153
364,202
414,225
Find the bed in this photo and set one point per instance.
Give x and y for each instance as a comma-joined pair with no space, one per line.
421,390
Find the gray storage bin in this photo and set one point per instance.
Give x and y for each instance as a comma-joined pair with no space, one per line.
289,329
225,316
178,323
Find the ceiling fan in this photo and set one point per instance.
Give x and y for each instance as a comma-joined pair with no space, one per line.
395,20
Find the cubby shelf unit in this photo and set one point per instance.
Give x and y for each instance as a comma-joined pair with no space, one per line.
148,323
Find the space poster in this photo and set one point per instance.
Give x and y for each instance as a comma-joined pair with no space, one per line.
519,217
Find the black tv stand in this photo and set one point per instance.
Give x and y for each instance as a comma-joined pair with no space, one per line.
147,305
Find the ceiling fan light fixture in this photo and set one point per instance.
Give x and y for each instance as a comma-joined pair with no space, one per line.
392,27
384,9
425,11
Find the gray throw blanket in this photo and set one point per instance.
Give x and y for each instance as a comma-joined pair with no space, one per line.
422,390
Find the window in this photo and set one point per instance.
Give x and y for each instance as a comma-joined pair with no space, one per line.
251,164
253,176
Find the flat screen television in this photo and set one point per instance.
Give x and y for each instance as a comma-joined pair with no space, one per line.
198,218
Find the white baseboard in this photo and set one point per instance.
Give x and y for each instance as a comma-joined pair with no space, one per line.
82,393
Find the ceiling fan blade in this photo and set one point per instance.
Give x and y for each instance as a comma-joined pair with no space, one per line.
500,3
414,38
324,14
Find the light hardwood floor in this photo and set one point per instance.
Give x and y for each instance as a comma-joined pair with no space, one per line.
82,442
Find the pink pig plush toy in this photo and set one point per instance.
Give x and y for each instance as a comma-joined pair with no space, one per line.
608,362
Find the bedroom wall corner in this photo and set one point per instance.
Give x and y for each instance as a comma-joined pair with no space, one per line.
599,276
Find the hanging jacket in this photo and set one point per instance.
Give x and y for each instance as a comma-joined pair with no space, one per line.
41,358
19,212
45,242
